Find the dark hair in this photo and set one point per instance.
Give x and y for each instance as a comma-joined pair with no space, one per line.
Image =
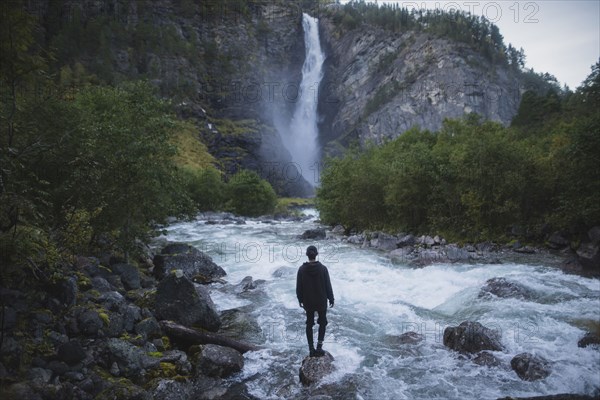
311,252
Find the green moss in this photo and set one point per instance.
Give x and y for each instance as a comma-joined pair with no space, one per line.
104,317
156,354
166,342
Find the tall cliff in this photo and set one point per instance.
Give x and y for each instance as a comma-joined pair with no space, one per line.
234,68
379,84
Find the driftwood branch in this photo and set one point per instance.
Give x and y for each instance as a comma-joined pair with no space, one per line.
191,336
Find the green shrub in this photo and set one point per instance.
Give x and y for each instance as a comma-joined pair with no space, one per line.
249,195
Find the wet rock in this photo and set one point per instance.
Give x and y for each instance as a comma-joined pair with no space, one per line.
130,276
401,255
71,352
179,300
356,239
338,230
313,369
456,254
530,367
588,255
124,391
406,240
248,284
504,288
589,339
219,361
240,325
594,235
405,338
194,263
284,271
384,241
471,337
565,396
315,234
486,359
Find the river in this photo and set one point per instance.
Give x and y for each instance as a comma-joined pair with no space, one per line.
377,300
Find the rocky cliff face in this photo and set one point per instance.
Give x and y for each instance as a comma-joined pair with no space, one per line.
379,84
229,66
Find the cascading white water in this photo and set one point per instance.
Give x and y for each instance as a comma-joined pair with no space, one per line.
301,137
377,300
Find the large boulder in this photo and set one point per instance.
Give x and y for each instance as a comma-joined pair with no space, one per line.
316,234
313,369
240,325
383,241
410,337
530,367
557,241
471,337
588,255
504,288
196,265
130,276
589,339
179,300
219,361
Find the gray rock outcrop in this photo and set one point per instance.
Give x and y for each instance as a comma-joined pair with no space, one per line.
530,367
314,369
219,361
196,265
471,337
179,300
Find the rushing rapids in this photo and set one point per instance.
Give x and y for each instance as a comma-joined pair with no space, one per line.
377,300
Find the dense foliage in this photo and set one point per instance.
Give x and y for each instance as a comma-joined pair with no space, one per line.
86,167
477,180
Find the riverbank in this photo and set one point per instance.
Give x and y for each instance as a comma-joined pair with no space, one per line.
583,258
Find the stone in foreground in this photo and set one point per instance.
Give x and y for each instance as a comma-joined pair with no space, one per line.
530,367
314,369
471,337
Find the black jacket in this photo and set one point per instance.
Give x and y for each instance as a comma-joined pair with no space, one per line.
313,287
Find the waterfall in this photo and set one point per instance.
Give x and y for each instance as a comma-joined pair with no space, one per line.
301,137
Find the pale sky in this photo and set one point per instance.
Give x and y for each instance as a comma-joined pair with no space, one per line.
559,37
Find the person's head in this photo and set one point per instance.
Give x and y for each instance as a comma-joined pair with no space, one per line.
311,252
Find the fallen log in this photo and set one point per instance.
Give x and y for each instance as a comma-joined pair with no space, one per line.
180,333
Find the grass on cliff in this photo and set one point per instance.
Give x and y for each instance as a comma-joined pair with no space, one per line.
192,153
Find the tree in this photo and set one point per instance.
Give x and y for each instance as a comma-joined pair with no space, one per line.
249,195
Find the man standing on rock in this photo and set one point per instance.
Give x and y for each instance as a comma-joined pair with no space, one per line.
313,289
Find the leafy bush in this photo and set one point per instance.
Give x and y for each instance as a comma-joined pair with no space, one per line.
205,187
249,195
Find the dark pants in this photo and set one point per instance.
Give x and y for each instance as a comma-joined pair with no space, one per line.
310,322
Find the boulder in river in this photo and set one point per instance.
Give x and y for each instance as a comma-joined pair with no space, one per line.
179,300
471,337
589,339
410,337
486,359
316,234
314,369
196,265
504,288
530,367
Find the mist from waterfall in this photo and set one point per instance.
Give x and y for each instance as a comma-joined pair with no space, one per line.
301,136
